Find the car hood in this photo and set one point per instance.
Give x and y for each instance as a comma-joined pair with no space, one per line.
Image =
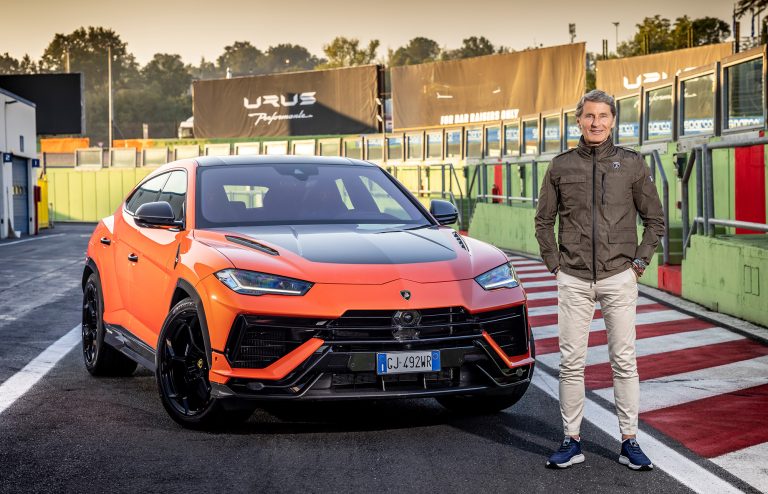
356,254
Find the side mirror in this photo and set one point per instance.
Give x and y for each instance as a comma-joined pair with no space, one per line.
156,214
444,212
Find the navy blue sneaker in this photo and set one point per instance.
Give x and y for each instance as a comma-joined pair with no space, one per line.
568,454
633,457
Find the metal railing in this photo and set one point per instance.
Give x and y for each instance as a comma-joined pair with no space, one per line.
480,174
656,165
700,159
448,180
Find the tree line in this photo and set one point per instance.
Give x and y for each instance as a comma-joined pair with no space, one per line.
158,93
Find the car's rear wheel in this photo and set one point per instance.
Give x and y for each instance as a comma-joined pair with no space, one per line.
182,373
479,404
100,359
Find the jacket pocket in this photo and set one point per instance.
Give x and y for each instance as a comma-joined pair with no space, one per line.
573,190
622,236
570,238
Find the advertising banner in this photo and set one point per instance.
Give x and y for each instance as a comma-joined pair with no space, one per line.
488,88
335,101
620,75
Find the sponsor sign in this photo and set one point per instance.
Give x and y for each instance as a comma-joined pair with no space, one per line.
620,75
336,101
488,88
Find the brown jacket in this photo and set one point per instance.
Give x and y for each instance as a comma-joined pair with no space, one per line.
597,192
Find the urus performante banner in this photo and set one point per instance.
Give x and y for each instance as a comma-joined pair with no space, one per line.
335,101
622,75
488,88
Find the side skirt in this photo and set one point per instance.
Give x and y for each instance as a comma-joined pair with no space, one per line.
123,340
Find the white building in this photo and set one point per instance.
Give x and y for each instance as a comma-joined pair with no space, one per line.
18,148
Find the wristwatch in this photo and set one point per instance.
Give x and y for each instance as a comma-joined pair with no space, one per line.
639,264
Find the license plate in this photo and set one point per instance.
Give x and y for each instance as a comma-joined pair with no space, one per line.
403,362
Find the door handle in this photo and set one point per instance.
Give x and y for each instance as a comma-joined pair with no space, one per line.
105,240
133,258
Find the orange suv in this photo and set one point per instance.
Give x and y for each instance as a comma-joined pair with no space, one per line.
245,279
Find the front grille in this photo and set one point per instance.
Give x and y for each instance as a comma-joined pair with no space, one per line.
257,341
508,329
377,325
361,381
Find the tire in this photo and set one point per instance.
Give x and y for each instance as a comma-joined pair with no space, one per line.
482,404
100,359
182,373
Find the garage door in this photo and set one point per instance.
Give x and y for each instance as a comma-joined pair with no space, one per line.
20,193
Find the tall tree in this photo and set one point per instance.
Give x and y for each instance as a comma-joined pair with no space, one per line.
241,58
474,46
87,52
204,70
8,64
346,52
418,50
652,36
287,57
168,73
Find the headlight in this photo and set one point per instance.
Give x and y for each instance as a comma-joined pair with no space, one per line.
503,276
253,283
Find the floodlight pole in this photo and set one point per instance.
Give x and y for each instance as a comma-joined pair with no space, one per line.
109,86
616,24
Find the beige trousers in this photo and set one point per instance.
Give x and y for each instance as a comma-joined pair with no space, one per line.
575,307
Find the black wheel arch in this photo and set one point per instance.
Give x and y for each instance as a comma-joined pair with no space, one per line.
183,290
88,270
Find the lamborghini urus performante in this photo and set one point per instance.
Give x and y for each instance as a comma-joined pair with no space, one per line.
245,279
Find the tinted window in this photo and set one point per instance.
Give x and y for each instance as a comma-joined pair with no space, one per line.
174,192
629,120
453,144
414,146
492,142
147,192
531,137
512,139
659,114
572,131
435,145
552,134
699,105
474,141
744,101
301,194
375,147
353,149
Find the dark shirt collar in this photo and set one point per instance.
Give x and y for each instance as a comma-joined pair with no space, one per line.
606,148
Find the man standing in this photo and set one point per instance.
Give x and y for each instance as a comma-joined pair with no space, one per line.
597,190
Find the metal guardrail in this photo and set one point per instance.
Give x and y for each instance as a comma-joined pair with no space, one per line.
700,159
448,178
481,171
656,165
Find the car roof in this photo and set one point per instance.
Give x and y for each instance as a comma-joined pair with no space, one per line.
277,160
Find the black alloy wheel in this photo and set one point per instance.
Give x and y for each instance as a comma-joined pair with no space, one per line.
100,359
182,373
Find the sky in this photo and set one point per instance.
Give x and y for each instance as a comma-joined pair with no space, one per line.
197,28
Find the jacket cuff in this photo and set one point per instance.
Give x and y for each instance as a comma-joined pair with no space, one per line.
644,252
551,262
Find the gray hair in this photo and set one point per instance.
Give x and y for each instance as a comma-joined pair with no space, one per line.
596,96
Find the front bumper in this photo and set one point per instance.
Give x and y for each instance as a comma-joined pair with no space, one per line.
338,362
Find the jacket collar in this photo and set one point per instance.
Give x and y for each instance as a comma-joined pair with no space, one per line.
603,150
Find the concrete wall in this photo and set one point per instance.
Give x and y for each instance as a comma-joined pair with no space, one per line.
729,274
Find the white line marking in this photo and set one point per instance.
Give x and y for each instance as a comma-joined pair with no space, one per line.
652,346
748,464
676,465
532,269
550,331
535,284
542,295
537,276
552,309
18,384
5,244
682,388
527,263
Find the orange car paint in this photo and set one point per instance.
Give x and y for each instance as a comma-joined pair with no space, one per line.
138,294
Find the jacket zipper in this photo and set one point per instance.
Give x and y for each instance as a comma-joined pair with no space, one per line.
602,188
594,214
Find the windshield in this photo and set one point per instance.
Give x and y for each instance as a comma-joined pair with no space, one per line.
301,194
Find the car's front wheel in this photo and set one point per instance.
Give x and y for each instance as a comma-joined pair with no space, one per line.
182,373
100,359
